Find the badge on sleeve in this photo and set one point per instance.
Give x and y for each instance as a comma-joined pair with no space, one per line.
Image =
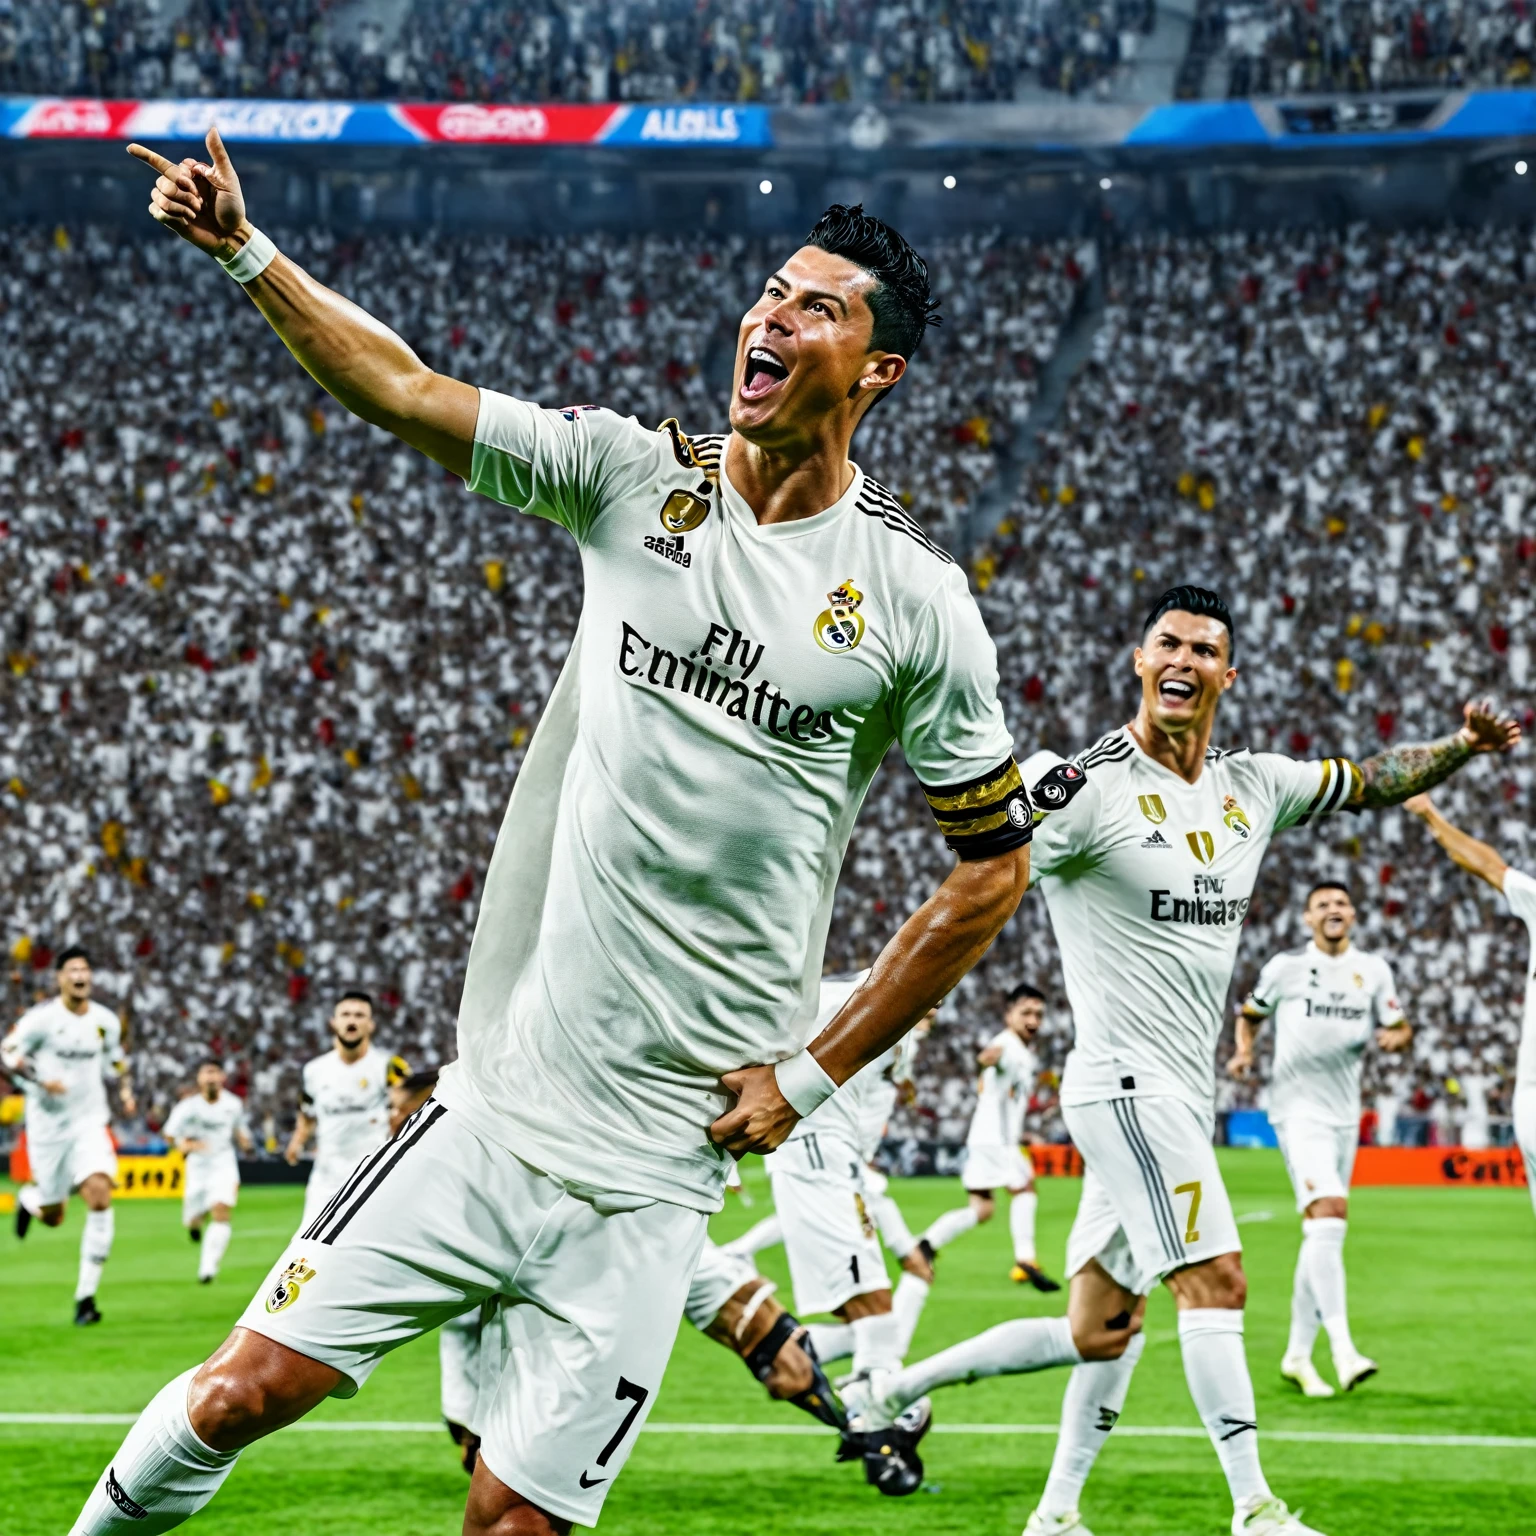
1057,787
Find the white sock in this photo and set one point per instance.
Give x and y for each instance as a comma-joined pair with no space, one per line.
162,1472
764,1234
894,1231
1305,1318
831,1341
1217,1372
1324,1249
907,1306
1021,1223
27,1198
1026,1344
216,1236
1094,1397
95,1250
875,1341
950,1225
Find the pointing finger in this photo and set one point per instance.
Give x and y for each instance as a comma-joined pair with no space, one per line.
220,155
150,158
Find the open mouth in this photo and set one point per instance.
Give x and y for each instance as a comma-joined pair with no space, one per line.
764,372
1172,691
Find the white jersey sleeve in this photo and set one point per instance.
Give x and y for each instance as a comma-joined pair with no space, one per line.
175,1126
559,464
1388,1009
951,726
1066,809
308,1090
1303,792
23,1041
1520,893
1265,996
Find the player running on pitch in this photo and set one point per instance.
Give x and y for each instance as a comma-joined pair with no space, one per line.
344,1102
1147,853
1009,1069
1519,890
1328,1000
61,1051
644,975
206,1126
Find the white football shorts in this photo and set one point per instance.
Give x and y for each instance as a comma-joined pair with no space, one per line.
208,1183
717,1278
592,1287
991,1167
1319,1157
1153,1200
1525,1134
326,1176
458,1364
59,1166
830,1241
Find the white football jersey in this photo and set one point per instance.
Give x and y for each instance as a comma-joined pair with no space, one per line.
75,1049
1520,893
656,909
1148,880
349,1103
1002,1094
1326,1010
212,1124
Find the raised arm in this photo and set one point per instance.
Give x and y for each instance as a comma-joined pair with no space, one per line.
934,948
1474,857
1393,776
352,356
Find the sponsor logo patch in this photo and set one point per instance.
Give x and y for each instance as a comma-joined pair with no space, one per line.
1157,840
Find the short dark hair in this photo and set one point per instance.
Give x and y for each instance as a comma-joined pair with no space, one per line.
900,301
1330,885
208,1061
426,1078
1197,600
355,995
1024,990
74,952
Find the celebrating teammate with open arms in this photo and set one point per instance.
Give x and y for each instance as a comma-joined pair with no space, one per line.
645,969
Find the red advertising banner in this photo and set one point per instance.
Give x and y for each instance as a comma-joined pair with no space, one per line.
1056,1162
468,122
1500,1166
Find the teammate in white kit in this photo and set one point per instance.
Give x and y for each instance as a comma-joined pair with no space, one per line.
1147,853
1328,1001
1519,890
344,1102
761,625
993,1159
206,1127
61,1051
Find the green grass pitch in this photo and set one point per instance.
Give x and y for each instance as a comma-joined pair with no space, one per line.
1441,1286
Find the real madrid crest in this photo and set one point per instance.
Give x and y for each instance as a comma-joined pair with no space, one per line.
292,1280
1235,818
683,511
840,626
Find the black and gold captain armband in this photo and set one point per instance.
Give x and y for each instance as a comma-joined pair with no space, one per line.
397,1071
986,816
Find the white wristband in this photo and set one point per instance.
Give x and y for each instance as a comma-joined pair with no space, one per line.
803,1083
251,260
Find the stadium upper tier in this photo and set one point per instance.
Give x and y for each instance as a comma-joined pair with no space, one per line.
271,675
788,52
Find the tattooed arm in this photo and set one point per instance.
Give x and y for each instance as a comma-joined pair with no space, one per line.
1393,776
1474,857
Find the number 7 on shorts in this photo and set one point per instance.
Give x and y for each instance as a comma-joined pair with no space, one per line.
635,1396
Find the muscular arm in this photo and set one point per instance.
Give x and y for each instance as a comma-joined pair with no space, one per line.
1473,856
349,354
1399,773
934,948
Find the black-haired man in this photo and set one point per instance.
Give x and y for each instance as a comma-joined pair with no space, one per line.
993,1159
761,624
1329,1000
343,1102
61,1051
205,1127
1147,851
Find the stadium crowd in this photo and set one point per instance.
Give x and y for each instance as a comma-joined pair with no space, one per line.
1274,47
1332,428
572,50
270,674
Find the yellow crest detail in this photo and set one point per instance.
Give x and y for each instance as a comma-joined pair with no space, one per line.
683,511
1237,820
866,1225
292,1280
840,626
1202,845
1152,808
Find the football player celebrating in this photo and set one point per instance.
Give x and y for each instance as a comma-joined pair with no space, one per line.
206,1126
